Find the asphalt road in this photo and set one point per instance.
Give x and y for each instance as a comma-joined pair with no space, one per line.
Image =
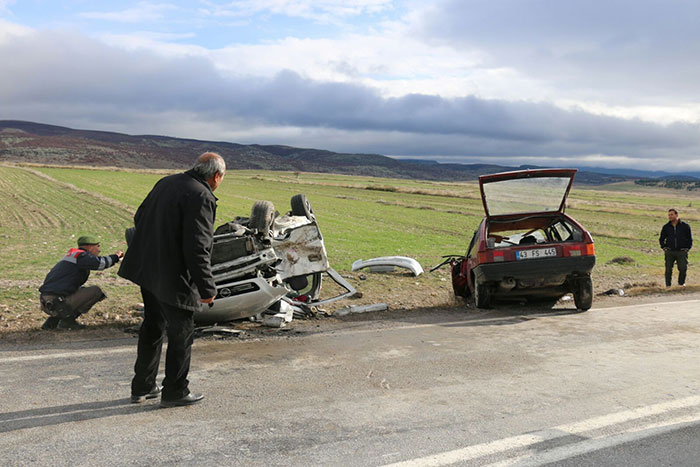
614,386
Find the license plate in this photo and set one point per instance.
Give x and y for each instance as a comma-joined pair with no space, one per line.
534,254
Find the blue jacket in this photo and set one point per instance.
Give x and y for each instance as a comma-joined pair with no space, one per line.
73,271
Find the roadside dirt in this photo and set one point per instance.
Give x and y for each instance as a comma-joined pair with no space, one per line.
406,297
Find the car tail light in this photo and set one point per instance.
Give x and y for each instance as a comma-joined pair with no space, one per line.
586,249
491,256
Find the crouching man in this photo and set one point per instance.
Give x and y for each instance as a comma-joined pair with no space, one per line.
63,296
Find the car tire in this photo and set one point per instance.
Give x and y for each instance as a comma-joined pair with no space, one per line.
301,206
482,295
129,235
261,217
583,295
312,289
298,283
314,292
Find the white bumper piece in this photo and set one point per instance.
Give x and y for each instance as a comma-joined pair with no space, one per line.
390,261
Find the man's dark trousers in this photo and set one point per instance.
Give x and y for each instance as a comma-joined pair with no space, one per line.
681,258
158,318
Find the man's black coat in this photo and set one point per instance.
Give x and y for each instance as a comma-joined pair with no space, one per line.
170,252
678,238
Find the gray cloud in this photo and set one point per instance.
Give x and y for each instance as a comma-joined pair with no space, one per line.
625,52
69,79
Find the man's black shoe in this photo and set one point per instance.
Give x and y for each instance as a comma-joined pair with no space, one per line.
70,323
189,399
51,322
155,392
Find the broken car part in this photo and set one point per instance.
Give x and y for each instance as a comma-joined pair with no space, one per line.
360,309
386,261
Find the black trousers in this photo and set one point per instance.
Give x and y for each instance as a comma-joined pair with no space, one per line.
681,259
160,318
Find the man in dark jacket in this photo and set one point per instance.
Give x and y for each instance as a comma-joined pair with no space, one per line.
63,296
676,240
169,256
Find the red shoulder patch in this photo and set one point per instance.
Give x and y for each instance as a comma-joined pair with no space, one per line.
75,252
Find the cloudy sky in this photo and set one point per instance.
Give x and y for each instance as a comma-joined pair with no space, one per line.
580,83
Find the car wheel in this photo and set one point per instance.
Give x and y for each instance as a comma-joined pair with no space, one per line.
482,295
301,206
583,295
315,291
129,235
311,288
261,217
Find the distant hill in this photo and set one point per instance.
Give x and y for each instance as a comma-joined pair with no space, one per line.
677,183
22,141
643,173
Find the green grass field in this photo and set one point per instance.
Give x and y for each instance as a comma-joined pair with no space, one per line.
45,209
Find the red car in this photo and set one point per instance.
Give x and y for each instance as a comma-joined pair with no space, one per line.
526,246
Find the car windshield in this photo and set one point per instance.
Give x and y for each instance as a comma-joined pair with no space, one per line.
524,195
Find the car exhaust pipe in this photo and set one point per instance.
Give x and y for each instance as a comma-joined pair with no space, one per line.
507,284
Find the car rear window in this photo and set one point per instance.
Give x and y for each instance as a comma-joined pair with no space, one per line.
516,238
503,235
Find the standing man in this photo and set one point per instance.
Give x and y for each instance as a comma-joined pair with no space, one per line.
170,258
676,240
63,296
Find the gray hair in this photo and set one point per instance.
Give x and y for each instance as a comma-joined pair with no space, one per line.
208,164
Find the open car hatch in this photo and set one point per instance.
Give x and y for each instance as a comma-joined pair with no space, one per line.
526,191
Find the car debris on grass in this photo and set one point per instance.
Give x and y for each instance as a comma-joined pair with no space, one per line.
361,309
388,263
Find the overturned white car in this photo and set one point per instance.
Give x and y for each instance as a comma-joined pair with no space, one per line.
260,260
266,258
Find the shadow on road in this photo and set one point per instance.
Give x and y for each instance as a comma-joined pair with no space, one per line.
47,416
505,318
504,313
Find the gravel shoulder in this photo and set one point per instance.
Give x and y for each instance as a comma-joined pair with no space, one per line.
410,299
